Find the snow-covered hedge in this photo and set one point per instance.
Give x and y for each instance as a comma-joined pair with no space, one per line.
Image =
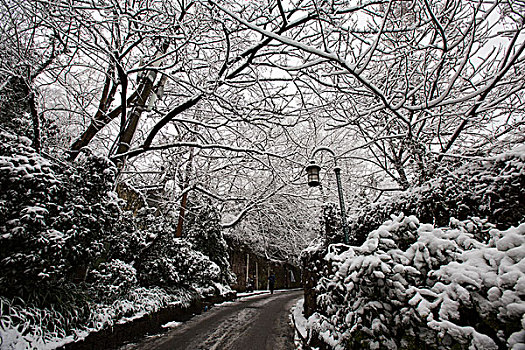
204,232
448,276
177,263
491,188
53,220
414,286
73,261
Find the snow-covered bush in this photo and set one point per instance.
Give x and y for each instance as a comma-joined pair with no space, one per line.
176,263
491,188
456,281
26,327
113,279
203,230
15,113
330,223
160,259
414,286
136,303
53,220
27,182
72,261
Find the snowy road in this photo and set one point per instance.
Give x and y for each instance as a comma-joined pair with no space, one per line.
257,323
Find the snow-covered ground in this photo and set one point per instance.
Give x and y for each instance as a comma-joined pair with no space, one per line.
299,322
172,324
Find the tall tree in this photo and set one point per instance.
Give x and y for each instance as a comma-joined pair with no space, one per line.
408,79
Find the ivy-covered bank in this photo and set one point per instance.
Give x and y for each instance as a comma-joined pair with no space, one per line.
438,267
72,261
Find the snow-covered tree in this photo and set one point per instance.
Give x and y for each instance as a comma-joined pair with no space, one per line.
407,82
279,228
203,230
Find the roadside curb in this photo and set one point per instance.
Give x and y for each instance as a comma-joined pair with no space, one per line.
260,292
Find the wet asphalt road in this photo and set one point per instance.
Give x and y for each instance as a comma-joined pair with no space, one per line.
255,323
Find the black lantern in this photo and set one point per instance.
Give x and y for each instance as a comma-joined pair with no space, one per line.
313,180
313,174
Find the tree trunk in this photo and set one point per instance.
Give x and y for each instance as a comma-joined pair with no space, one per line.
36,123
101,118
134,117
147,87
184,199
182,211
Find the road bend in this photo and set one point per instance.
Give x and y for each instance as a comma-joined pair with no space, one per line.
259,322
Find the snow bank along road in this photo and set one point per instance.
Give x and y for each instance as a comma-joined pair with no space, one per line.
259,322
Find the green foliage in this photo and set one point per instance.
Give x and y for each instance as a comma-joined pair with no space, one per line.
30,250
491,189
68,250
203,230
175,263
14,107
54,219
112,280
61,222
134,234
407,285
30,326
15,113
440,289
331,224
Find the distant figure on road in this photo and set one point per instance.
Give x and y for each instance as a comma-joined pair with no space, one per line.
271,281
249,285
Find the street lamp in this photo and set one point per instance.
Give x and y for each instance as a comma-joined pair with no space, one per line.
314,180
313,174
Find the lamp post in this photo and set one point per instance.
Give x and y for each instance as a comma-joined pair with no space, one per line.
314,180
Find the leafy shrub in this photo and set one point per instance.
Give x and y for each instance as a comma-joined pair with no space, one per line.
203,230
72,261
175,263
113,279
53,219
406,285
330,223
413,286
14,107
490,188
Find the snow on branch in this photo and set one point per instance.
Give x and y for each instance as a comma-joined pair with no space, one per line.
327,55
136,151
